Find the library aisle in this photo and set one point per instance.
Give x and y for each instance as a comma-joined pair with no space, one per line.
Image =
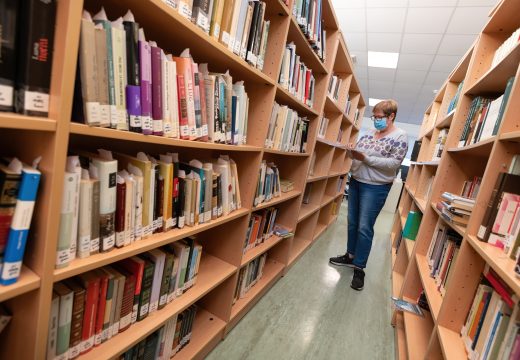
312,313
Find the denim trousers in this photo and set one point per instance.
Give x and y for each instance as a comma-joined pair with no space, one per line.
365,202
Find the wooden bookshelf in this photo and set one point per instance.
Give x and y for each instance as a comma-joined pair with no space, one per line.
28,281
23,122
438,336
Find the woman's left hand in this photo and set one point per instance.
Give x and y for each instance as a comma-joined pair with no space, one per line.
357,155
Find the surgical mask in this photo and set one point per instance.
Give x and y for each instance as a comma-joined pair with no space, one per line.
380,124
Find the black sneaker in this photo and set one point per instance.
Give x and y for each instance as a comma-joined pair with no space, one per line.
358,280
342,260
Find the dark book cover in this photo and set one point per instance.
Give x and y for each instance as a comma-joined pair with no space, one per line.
133,90
416,148
165,283
159,199
8,27
254,29
120,214
150,346
146,290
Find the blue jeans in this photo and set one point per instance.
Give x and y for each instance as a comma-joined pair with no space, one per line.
365,202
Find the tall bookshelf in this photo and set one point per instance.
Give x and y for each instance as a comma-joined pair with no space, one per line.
27,137
437,335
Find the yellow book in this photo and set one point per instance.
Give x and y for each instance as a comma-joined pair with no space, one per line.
166,171
216,18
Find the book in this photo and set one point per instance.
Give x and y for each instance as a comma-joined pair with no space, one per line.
52,337
133,89
91,283
78,307
411,227
66,297
9,10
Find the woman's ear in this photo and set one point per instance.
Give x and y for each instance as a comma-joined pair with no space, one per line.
391,117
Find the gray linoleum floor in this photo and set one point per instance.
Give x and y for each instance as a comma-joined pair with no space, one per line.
312,313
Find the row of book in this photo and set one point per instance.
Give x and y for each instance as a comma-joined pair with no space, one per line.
455,209
308,14
505,48
484,117
268,186
440,143
18,192
442,255
249,276
129,83
455,100
238,24
95,306
113,199
334,87
287,130
27,36
492,327
261,227
164,343
322,129
296,77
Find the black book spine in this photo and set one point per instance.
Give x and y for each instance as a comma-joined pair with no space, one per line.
133,89
191,244
8,22
150,346
146,290
181,199
36,39
254,28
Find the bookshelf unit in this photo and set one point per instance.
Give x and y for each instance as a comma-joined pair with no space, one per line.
437,335
222,239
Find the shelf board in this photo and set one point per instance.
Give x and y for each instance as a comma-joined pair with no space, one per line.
511,136
326,200
107,133
207,332
429,163
316,178
397,283
482,148
260,249
28,281
446,122
336,173
403,221
331,143
409,247
332,219
461,230
429,132
285,153
320,229
79,266
400,337
430,287
307,210
212,273
9,120
498,260
331,106
394,256
272,272
299,246
451,344
418,332
495,79
303,48
421,204
284,96
277,200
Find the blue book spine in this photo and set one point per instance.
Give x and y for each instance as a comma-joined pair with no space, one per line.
20,225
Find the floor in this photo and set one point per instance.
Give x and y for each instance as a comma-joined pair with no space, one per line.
312,313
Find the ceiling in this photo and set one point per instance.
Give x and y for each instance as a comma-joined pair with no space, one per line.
430,36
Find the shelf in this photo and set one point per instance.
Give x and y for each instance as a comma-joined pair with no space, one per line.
421,204
397,283
10,120
429,163
79,266
429,132
307,210
28,281
332,220
259,249
446,122
403,221
481,149
331,143
212,272
498,260
409,247
107,133
511,136
331,106
418,332
285,153
277,200
284,96
430,286
207,332
320,229
400,337
461,230
337,173
303,48
316,178
298,248
495,79
326,200
451,344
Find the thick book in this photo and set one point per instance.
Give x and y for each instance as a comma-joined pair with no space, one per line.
157,89
64,319
78,307
157,257
52,337
101,306
120,81
133,89
91,283
8,23
127,302
145,73
135,266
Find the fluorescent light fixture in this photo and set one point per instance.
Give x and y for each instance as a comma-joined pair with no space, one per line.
373,102
386,60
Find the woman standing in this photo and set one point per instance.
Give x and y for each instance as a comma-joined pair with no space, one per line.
377,157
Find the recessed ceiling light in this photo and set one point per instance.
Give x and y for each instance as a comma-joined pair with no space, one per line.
373,102
386,60
435,91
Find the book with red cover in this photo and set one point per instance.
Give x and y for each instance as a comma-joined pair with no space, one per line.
101,305
120,212
184,132
128,299
76,327
499,286
90,282
135,266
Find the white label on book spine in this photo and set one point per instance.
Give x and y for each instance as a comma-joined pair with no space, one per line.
62,356
204,130
104,335
231,45
192,218
202,21
219,214
182,221
104,115
108,242
115,328
214,212
125,321
157,126
147,123
87,344
185,10
92,112
185,131
84,244
169,223
134,313
109,332
163,299
36,101
147,231
22,216
179,292
114,116
216,31
251,58
11,270
63,257
144,310
97,339
135,120
74,351
153,307
120,239
168,128
170,298
138,232
6,95
94,245
225,37
481,232
207,216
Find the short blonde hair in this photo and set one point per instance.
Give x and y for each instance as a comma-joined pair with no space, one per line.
388,107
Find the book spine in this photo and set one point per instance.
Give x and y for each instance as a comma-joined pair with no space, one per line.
103,63
183,108
157,96
52,337
133,89
89,315
120,80
128,299
94,231
89,73
64,325
85,218
101,308
66,219
146,291
145,61
120,213
108,199
8,24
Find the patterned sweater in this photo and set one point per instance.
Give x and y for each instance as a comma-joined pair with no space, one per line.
383,157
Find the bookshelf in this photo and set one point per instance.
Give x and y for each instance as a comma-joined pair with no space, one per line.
437,336
222,239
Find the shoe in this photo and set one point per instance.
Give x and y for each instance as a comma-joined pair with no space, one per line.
342,260
358,280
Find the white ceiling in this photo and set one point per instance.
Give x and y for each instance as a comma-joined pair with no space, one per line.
431,36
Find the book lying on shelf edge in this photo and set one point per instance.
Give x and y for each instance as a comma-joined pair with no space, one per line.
403,305
281,231
286,185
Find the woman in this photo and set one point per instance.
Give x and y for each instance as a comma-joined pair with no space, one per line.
376,158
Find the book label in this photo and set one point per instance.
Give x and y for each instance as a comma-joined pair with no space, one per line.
11,270
182,221
134,313
185,9
114,116
147,230
120,239
109,242
216,30
74,351
135,120
202,21
147,123
168,129
214,212
125,321
36,101
87,344
115,328
104,115
84,244
144,310
6,95
251,58
481,232
104,336
225,37
157,126
185,131
94,245
92,112
138,232
163,299
169,223
231,45
63,257
97,339
204,130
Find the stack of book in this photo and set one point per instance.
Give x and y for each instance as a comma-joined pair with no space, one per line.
442,253
322,130
334,87
268,185
492,326
440,143
18,189
103,208
287,130
411,226
286,185
249,276
238,24
97,305
27,37
505,48
261,227
484,117
296,77
455,100
164,343
129,83
308,16
500,224
455,209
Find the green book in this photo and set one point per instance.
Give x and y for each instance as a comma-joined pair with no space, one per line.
146,290
165,283
411,227
66,296
507,92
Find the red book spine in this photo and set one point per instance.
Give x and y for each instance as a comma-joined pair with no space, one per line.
204,119
157,105
136,268
127,304
183,108
91,284
499,289
307,85
120,214
100,316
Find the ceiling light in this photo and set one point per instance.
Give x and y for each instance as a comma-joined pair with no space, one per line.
386,60
373,102
435,91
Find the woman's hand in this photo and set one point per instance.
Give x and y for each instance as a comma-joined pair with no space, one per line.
353,153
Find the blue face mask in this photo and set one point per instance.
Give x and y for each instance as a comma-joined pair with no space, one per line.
380,124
